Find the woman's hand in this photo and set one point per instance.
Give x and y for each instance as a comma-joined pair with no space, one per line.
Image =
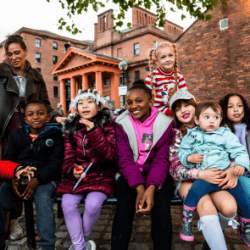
211,175
140,192
195,158
89,125
147,200
77,171
238,170
230,180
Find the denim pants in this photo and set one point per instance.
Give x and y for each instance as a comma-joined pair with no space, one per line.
241,193
44,199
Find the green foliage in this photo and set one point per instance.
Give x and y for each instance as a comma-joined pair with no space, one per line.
196,8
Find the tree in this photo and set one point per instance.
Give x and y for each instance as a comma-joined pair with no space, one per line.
196,8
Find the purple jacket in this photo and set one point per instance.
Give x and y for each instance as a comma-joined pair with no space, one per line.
156,166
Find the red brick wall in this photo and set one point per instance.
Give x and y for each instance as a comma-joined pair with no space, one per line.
217,62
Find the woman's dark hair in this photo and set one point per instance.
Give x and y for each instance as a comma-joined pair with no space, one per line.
176,105
139,84
14,39
224,105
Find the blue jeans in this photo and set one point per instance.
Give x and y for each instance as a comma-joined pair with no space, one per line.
44,199
241,193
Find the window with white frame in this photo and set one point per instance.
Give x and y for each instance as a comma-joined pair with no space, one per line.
38,42
38,57
55,45
136,49
54,59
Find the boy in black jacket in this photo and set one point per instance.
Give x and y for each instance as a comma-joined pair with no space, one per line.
38,147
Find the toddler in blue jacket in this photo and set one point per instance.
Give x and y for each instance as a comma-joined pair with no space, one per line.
210,146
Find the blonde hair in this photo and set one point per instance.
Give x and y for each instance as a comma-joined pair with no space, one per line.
153,59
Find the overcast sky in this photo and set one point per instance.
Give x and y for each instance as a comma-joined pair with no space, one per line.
39,14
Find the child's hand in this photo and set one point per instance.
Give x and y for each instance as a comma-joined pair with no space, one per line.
31,187
77,171
89,125
195,158
238,170
28,171
140,192
147,200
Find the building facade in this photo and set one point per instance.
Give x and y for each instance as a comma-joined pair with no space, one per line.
214,55
100,68
45,49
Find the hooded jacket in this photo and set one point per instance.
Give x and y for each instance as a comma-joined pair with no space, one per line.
156,166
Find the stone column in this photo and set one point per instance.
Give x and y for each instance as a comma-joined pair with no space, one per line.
63,95
85,83
98,81
115,81
72,88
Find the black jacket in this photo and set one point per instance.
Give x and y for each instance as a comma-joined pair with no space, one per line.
45,153
9,92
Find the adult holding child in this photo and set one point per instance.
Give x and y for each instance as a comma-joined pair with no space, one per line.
215,206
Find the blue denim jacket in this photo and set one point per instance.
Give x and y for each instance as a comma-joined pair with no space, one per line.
218,147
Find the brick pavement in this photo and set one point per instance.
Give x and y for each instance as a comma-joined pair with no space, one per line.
141,236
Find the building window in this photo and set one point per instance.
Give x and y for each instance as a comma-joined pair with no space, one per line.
38,57
55,45
136,49
54,59
38,42
66,46
119,52
223,24
137,75
55,91
55,77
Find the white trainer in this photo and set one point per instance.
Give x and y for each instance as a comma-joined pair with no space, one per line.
90,245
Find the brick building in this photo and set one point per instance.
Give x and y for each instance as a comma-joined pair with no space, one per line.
111,46
214,56
44,50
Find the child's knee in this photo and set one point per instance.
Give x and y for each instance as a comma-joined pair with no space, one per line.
229,208
93,206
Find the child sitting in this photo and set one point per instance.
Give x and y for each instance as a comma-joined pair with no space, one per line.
210,146
89,167
38,147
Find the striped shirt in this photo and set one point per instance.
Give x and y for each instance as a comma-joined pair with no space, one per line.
163,83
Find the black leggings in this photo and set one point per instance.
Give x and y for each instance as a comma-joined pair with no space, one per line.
161,227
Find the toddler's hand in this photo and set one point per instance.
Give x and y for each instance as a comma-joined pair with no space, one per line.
77,171
238,170
195,158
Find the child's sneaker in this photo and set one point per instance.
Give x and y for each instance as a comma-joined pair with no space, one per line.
16,231
186,229
245,231
90,245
